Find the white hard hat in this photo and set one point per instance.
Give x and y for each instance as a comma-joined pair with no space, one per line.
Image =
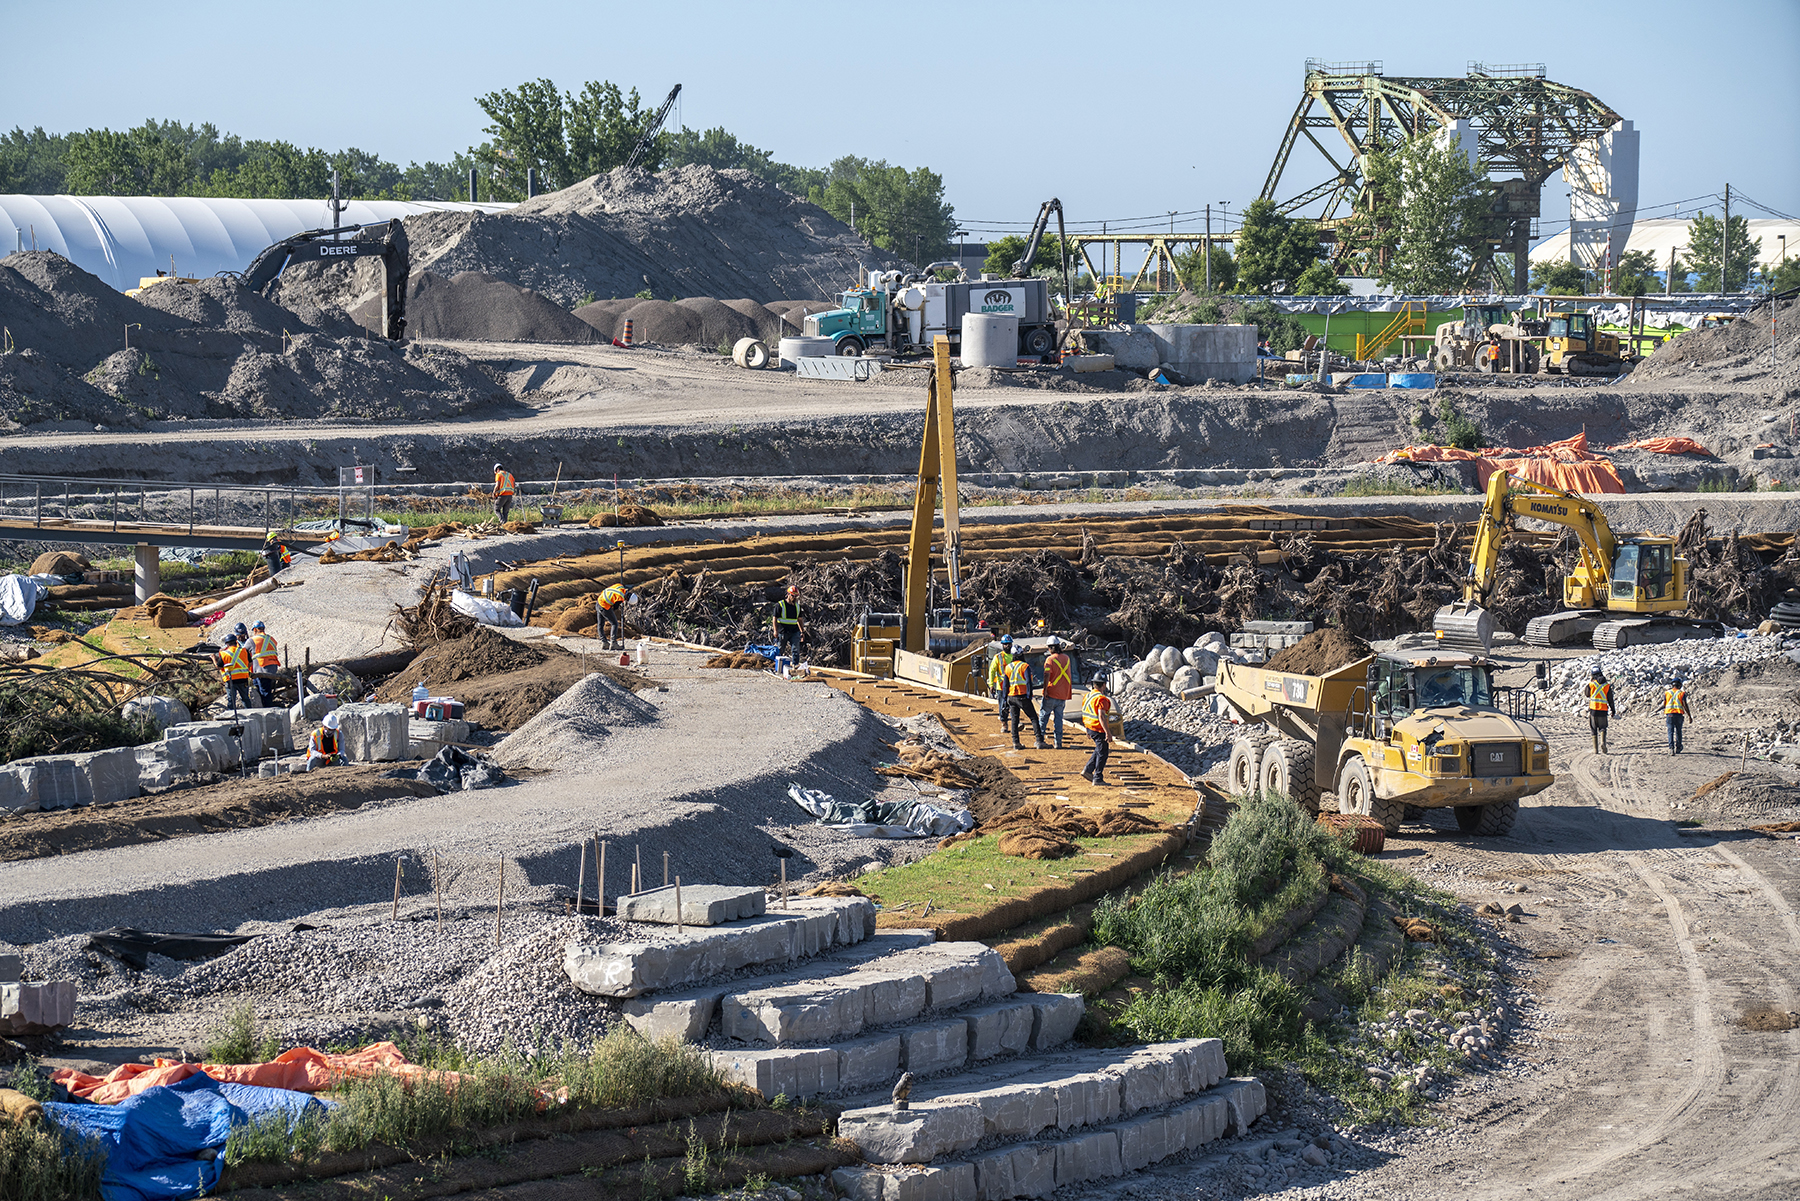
499,467
331,721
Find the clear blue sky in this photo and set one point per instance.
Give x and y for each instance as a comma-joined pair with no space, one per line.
1121,109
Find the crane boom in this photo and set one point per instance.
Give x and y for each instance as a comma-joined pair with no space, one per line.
648,138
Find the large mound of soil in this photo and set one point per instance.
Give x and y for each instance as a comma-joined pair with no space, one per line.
474,307
502,683
1319,652
1736,352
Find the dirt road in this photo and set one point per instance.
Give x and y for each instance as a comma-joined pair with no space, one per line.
1655,943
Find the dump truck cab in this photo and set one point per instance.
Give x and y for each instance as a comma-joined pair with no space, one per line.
860,321
1389,733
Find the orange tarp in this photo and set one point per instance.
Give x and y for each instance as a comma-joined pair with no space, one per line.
301,1069
1667,446
1568,464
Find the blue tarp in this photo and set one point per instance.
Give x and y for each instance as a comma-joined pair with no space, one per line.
168,1142
1412,379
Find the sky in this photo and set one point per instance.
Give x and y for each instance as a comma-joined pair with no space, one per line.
1123,110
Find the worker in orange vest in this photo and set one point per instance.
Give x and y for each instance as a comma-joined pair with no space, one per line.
265,654
1093,719
1600,703
234,667
322,749
1059,685
609,617
1018,699
1675,711
504,488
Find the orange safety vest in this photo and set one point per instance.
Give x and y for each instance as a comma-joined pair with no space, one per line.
1599,696
323,742
1094,710
1675,701
612,596
234,663
503,483
263,648
1018,678
1058,684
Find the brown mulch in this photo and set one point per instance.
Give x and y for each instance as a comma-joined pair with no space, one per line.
628,515
1087,971
1319,652
1417,929
1714,783
836,888
388,552
934,767
742,660
59,562
1045,830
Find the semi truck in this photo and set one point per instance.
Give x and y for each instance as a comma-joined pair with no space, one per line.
905,313
1387,734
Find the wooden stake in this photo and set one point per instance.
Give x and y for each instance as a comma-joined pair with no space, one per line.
437,888
500,902
1744,759
580,876
396,914
784,884
678,904
637,875
600,878
665,869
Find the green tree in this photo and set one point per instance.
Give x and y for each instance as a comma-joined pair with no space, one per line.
32,163
1782,275
1425,216
276,170
896,209
564,137
1320,280
1282,331
1004,252
1636,274
1703,253
1273,249
100,162
604,126
717,148
1191,263
1558,277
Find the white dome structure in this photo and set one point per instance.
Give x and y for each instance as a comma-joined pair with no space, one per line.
122,239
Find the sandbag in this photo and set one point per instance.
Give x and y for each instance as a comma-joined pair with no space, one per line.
487,612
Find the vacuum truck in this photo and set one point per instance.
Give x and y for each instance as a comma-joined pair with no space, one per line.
906,312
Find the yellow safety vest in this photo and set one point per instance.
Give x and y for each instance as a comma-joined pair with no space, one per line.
234,663
787,613
612,596
263,648
1094,710
1018,677
1675,700
1599,696
324,742
503,483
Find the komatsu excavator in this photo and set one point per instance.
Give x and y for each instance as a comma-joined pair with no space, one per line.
1621,593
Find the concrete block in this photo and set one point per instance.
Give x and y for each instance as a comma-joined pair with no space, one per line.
1196,1123
442,732
785,1072
68,781
36,1008
955,973
1144,1141
10,967
857,1184
19,787
1245,1101
947,1182
869,1062
1088,1157
890,997
911,1135
1003,1027
1012,1110
1203,352
1279,627
1086,1099
684,1018
1025,1171
1054,1018
373,733
1134,348
815,1012
219,749
1148,1080
701,905
935,1048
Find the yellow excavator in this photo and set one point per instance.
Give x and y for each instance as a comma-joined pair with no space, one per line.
1622,592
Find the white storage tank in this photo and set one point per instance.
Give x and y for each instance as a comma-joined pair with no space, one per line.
989,340
805,346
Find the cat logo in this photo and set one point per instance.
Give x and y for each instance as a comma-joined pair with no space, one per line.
1496,756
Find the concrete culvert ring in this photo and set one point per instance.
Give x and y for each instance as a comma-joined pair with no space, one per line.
750,353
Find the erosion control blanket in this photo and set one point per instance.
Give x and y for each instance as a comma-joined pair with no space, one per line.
1667,446
1568,464
882,819
169,1141
301,1070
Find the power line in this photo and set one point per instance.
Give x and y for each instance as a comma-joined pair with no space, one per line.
1765,208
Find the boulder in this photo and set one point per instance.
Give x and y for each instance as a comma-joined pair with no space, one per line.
161,711
1183,680
337,681
1170,660
373,733
1202,659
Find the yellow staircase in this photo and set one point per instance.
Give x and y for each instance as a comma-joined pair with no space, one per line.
1409,320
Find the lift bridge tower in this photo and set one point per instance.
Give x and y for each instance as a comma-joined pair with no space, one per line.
1518,126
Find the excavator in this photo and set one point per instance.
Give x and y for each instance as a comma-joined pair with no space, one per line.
384,238
1622,592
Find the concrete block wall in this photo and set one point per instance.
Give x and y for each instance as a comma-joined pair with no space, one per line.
66,781
1203,352
36,1008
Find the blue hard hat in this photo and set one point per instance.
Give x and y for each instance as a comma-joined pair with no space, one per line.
1006,640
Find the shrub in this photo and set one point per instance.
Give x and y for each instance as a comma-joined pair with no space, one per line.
1459,431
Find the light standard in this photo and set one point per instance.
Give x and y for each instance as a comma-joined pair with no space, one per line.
961,254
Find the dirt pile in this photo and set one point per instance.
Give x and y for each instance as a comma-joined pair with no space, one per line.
1737,352
473,307
693,320
1748,794
502,683
1319,652
205,349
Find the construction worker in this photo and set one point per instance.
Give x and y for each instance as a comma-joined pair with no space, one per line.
1093,719
789,629
997,679
1059,685
1600,704
265,654
1018,699
234,667
504,489
1675,711
322,748
609,612
275,553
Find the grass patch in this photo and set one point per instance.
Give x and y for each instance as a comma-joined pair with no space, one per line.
1373,485
241,1039
39,1163
971,876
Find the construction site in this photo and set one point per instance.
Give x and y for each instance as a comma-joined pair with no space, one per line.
926,735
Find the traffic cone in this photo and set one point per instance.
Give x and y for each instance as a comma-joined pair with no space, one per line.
627,338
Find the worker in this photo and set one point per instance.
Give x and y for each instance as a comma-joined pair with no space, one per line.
1018,699
1002,655
265,654
1093,719
1600,704
234,666
504,488
1059,685
322,748
275,553
609,614
789,629
1675,711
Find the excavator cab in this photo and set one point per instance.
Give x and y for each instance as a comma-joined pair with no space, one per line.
1646,576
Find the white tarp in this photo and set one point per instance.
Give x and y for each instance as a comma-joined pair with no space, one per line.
18,598
487,612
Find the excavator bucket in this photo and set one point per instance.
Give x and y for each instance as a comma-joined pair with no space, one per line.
1465,626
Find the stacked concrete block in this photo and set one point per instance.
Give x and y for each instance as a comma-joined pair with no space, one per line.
369,733
426,738
952,1182
912,1135
36,1008
701,905
67,781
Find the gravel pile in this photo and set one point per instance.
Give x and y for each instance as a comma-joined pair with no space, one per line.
473,307
1639,675
1186,733
567,730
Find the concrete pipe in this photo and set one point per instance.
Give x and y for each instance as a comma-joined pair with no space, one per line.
989,340
750,353
805,346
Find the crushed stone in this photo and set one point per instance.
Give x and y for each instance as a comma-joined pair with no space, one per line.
473,307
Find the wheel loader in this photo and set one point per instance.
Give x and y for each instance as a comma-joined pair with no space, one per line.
1389,734
1488,339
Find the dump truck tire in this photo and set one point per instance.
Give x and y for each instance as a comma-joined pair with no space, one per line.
1356,794
1241,770
1487,821
1287,768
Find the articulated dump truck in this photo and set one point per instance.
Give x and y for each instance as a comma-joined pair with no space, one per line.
1389,734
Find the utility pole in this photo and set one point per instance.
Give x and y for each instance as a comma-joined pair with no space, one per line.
1209,248
1725,245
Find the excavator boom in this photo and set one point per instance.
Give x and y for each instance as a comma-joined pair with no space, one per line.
386,239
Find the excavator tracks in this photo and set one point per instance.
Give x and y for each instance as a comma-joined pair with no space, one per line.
1568,628
1650,631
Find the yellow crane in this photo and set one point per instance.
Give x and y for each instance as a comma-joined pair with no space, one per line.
1623,592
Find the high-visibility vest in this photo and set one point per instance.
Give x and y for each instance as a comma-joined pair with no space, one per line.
1675,700
1058,684
1094,710
997,667
263,648
324,742
1018,678
234,663
610,598
787,613
1599,696
503,483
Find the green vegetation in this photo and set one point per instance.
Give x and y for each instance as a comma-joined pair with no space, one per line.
240,1039
1320,280
896,209
1459,431
1004,252
1558,277
1375,485
1191,264
1703,234
1782,275
1273,250
62,714
37,1163
1282,331
1427,218
1636,274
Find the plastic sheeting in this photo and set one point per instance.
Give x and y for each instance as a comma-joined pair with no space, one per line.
882,819
487,612
1568,464
18,599
1667,446
301,1070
